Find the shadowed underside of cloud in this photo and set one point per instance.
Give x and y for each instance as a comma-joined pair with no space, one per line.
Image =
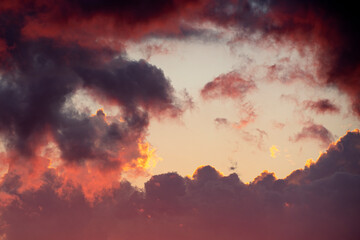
320,201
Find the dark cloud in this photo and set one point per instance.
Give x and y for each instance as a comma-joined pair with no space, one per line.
330,26
47,74
38,122
341,156
320,202
321,106
314,131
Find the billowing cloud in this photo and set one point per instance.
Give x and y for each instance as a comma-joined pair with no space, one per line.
320,201
314,131
39,126
330,28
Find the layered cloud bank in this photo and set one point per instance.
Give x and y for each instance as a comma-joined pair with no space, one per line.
327,29
61,164
320,201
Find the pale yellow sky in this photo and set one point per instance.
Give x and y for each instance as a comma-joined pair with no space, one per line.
196,139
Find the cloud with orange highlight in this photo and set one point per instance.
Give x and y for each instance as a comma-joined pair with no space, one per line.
322,195
36,119
61,168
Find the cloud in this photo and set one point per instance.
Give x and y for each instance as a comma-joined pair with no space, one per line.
314,131
256,137
329,29
154,49
230,85
50,51
319,201
35,119
321,106
233,86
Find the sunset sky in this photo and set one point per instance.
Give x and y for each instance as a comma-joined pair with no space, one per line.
179,119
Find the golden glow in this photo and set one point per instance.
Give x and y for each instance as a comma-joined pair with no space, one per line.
145,161
202,166
273,151
309,162
148,158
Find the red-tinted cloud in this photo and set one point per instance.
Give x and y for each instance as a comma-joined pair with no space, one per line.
154,49
49,51
230,85
233,86
320,201
329,28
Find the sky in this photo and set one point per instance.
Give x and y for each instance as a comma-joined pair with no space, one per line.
193,119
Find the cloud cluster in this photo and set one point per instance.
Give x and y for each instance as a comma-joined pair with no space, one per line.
64,165
320,201
330,28
39,75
